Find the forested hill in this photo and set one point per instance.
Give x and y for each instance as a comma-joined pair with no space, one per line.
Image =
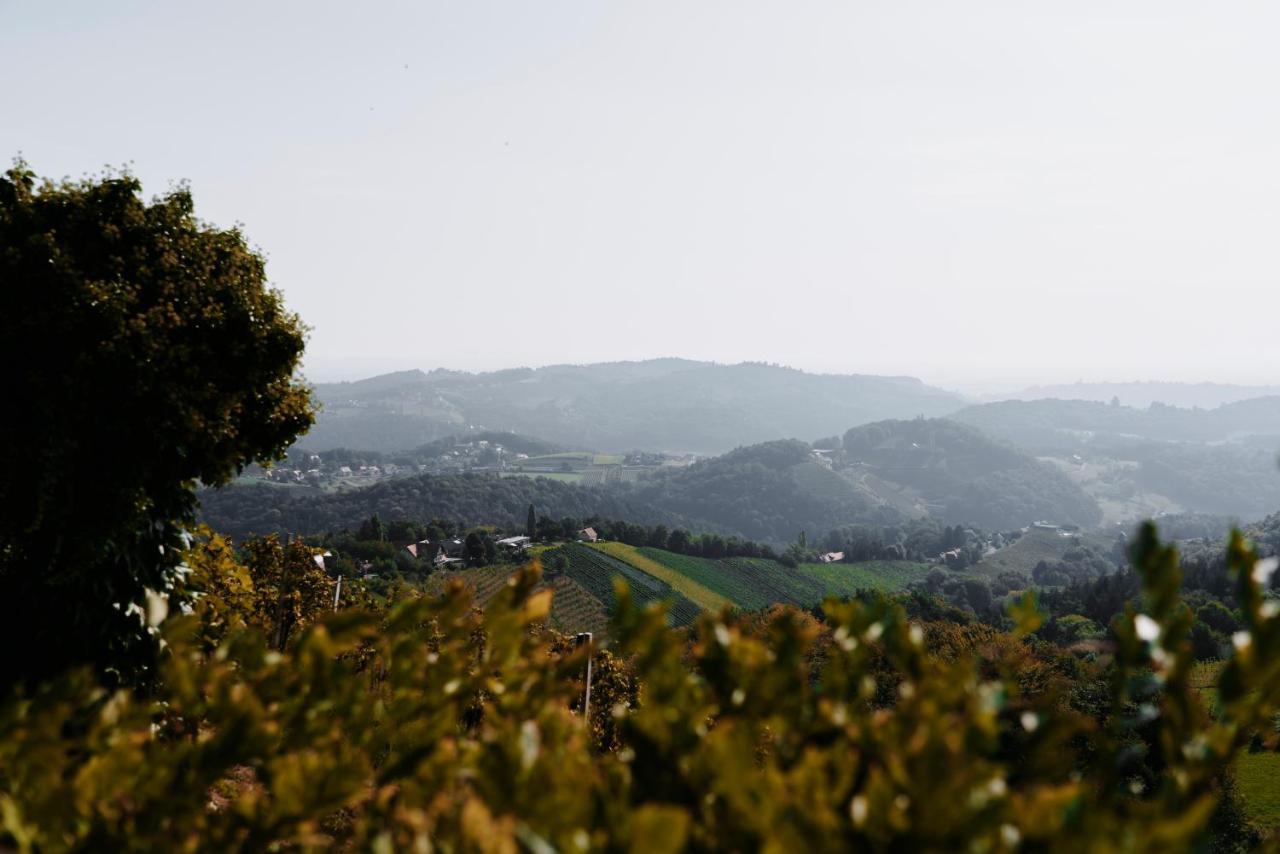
768,492
957,474
471,499
662,404
1051,425
1163,459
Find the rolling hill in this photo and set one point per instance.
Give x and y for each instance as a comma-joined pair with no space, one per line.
957,474
1143,462
770,492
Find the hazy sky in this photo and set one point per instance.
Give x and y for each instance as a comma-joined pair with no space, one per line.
974,193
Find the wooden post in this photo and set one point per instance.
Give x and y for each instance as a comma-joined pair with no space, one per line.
337,592
584,638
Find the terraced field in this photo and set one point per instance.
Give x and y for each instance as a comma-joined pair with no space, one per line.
845,579
595,571
681,582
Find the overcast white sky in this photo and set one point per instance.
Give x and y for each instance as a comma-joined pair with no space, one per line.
980,194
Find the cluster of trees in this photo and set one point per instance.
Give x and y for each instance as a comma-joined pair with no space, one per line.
147,354
914,539
1079,564
471,499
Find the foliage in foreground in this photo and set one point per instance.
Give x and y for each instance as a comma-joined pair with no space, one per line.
432,724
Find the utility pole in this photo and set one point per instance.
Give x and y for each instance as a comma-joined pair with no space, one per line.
337,592
584,639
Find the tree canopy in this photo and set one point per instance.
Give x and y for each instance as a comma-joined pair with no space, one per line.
149,355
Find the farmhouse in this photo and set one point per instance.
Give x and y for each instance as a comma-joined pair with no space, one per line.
587,535
515,544
831,557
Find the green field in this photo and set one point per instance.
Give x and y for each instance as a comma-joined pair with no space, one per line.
1258,779
1257,774
846,579
563,476
577,459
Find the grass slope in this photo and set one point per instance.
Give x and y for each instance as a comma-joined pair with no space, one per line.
1258,779
680,582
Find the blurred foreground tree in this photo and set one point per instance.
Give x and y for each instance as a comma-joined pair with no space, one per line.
144,354
429,725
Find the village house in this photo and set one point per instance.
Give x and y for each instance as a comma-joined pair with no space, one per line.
587,535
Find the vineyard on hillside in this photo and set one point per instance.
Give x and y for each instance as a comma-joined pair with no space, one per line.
754,583
682,582
573,609
845,579
596,571
750,583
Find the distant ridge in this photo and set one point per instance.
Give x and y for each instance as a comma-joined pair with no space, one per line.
1143,394
660,404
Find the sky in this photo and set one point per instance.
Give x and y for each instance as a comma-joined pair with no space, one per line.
981,194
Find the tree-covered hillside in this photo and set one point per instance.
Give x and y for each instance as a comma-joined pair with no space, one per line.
662,404
1046,426
1162,459
764,492
960,475
471,499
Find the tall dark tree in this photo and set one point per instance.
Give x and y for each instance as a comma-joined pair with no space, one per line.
474,549
144,354
531,524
